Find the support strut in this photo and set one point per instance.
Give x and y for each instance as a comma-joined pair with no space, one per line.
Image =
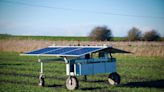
41,76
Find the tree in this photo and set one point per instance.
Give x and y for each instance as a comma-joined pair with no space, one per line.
101,34
152,35
134,34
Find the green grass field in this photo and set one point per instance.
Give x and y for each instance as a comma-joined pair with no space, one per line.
54,38
138,74
51,38
58,38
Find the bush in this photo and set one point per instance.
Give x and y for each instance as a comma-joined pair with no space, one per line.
101,34
134,34
152,35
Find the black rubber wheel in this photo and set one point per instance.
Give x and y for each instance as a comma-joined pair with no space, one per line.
41,81
72,83
114,78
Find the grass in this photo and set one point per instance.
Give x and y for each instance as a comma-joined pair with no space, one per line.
50,38
54,38
138,74
119,39
58,38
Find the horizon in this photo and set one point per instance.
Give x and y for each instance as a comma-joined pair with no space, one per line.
62,36
78,18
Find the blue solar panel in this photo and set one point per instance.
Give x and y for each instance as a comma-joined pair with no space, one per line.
62,50
40,51
81,51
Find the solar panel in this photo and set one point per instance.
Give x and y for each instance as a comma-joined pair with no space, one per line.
81,51
71,50
64,51
40,51
61,50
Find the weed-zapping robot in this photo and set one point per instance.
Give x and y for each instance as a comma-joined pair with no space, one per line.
81,60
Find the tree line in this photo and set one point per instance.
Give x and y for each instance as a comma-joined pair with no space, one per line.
103,33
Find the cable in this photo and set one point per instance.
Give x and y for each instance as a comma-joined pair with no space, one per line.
80,10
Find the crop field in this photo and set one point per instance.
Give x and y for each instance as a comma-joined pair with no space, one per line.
138,74
137,48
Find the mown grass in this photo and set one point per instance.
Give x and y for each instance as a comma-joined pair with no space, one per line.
138,74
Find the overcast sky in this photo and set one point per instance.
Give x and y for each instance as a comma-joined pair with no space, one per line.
79,17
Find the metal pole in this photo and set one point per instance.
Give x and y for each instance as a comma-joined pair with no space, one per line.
41,70
41,66
41,77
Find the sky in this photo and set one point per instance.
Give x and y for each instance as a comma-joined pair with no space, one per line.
79,17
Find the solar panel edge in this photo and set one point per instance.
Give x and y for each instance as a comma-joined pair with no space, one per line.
29,54
80,46
58,55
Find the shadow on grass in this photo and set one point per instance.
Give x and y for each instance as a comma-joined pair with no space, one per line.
95,81
55,85
10,65
91,88
17,74
18,82
150,84
27,83
32,75
97,89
